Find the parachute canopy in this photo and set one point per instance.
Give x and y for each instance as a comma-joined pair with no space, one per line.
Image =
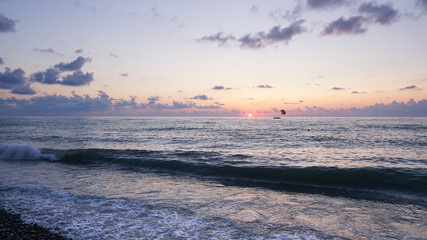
283,112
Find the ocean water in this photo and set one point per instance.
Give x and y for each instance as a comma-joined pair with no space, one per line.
217,178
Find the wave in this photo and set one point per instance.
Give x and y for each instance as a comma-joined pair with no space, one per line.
370,183
385,184
23,152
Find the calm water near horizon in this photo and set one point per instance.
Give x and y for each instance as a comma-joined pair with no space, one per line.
217,178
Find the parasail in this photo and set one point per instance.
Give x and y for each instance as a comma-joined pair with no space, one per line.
283,112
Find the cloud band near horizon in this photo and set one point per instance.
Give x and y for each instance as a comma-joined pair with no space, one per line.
104,105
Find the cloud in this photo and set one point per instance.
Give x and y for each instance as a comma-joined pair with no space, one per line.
6,24
1,61
264,86
324,4
422,4
123,105
352,25
79,51
124,74
290,15
175,105
337,88
274,35
412,87
220,88
53,75
103,104
260,39
15,81
357,92
77,78
209,107
254,9
47,50
153,100
113,55
50,76
24,90
201,97
75,65
394,109
383,14
219,38
57,105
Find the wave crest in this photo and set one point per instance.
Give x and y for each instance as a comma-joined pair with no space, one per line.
13,151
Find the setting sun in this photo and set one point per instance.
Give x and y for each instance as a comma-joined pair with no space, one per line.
250,115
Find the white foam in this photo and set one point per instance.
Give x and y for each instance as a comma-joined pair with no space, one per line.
22,152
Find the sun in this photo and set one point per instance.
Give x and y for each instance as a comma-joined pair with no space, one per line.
250,115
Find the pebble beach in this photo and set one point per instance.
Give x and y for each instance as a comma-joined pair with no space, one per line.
12,227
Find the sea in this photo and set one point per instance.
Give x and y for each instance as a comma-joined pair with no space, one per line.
217,178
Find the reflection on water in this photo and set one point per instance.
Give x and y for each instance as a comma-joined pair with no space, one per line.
125,197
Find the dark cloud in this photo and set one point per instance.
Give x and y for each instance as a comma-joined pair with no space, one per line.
383,14
219,38
75,65
252,41
324,4
353,25
175,105
1,61
412,87
50,76
394,109
122,104
274,35
338,88
79,105
153,100
208,107
264,86
24,90
15,81
218,88
77,78
105,105
53,75
201,97
11,79
57,105
6,24
422,4
260,39
79,51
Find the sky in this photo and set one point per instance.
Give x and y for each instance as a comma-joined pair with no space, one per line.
213,58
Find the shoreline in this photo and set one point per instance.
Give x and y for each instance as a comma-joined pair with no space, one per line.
13,227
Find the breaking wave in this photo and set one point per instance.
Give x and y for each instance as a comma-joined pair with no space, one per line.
23,152
384,184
